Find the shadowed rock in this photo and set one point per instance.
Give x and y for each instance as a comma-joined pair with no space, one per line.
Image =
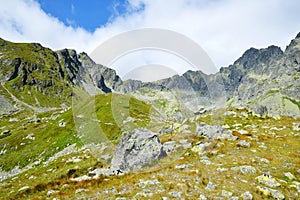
137,149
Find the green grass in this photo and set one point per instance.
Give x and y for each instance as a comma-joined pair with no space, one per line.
49,139
282,152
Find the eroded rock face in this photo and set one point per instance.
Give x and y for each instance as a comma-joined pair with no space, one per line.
137,149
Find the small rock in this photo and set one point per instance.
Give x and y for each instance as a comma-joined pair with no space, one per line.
169,146
183,166
245,169
259,110
230,113
226,126
79,190
267,180
222,169
205,160
243,132
202,197
50,192
264,160
24,188
226,194
81,178
247,196
175,194
106,157
296,126
296,185
185,143
270,192
62,124
200,148
5,132
210,186
243,143
289,175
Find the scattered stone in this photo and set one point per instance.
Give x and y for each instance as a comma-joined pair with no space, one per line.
209,131
80,190
259,110
226,194
268,192
183,166
243,132
81,178
128,119
51,192
237,125
245,169
5,132
264,160
166,130
210,186
143,184
169,146
200,147
175,194
296,185
205,160
222,169
244,114
137,149
267,180
202,197
185,144
30,137
296,126
80,116
62,124
74,160
24,188
100,171
230,113
106,157
289,175
247,196
226,126
243,143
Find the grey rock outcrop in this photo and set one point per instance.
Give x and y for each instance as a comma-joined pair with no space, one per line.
137,149
6,106
214,132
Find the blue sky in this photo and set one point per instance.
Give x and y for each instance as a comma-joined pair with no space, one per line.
81,13
225,29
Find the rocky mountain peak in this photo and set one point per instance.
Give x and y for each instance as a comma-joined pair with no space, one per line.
253,57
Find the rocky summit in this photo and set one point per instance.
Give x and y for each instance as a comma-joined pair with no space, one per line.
71,128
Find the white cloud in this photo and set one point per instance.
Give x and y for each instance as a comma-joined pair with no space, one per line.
223,28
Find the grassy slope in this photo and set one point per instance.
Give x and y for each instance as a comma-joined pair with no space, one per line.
282,152
51,138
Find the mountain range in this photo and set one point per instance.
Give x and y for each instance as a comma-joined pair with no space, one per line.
269,77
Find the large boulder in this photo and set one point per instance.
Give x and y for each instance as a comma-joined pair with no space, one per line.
137,149
214,132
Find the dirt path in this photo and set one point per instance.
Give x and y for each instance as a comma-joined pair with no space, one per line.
36,109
